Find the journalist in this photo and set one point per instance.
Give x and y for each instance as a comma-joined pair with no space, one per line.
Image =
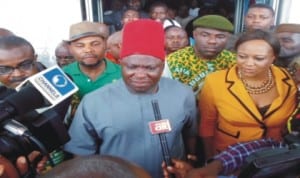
18,61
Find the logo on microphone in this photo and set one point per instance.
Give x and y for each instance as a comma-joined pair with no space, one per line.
160,126
53,84
59,81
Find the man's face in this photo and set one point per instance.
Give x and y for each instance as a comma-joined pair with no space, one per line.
16,65
135,4
209,42
141,73
88,51
114,49
63,56
129,16
159,13
290,43
175,38
259,18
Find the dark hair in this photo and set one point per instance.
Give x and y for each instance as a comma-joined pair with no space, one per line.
258,34
158,4
102,166
10,42
62,44
5,32
130,9
263,6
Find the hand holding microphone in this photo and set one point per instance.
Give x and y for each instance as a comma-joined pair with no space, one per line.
165,126
45,132
46,88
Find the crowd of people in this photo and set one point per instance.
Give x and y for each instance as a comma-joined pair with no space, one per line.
154,101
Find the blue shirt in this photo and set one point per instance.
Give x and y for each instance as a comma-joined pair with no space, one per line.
120,120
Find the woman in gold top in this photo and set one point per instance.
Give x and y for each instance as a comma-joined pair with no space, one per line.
249,101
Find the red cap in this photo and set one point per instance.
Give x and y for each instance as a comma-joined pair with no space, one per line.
143,36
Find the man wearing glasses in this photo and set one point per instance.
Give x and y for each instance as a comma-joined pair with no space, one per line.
17,61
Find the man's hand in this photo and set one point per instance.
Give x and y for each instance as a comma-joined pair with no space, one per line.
211,170
8,170
179,168
41,164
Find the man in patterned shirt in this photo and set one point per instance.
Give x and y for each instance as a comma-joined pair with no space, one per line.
225,163
190,65
235,157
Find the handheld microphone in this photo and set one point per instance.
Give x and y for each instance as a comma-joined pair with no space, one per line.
53,84
4,91
46,88
43,129
162,137
20,103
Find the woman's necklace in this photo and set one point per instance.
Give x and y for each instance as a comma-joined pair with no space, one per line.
258,89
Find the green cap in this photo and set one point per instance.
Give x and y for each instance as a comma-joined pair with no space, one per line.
213,21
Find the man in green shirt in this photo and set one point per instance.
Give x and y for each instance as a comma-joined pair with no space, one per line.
91,70
87,43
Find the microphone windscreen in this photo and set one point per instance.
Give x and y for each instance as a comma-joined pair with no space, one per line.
4,92
27,99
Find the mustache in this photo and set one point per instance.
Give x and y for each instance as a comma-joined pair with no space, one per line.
90,55
17,79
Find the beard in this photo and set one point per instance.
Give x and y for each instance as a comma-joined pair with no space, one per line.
286,53
93,65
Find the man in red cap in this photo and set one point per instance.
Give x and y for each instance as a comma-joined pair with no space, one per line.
119,118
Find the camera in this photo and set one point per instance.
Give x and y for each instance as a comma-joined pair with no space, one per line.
275,162
23,129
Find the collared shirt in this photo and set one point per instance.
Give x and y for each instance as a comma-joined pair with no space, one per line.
224,94
234,157
85,84
120,119
186,67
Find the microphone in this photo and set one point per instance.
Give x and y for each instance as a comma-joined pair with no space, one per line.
162,137
46,88
4,91
32,105
53,84
20,103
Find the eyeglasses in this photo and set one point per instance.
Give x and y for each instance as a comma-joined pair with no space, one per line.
23,66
